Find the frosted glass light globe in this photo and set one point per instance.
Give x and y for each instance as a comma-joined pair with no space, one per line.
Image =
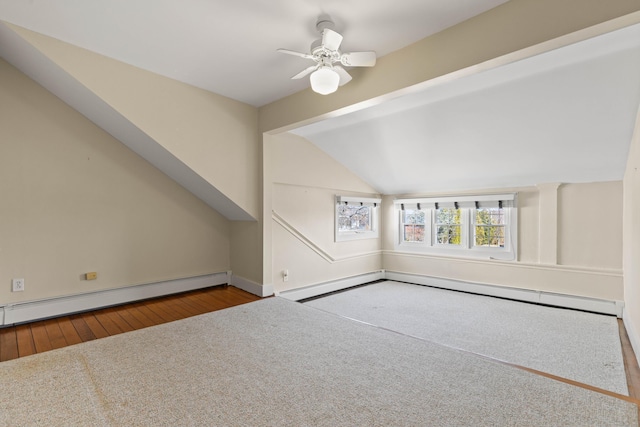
324,81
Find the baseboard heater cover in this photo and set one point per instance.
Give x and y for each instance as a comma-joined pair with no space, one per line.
331,286
595,305
43,309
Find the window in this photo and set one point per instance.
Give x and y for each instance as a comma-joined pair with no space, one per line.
448,226
489,227
469,226
356,218
413,225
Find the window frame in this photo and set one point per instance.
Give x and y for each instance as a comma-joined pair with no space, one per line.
468,206
349,235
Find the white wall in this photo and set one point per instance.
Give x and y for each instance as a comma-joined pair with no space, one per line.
631,244
76,200
303,184
594,269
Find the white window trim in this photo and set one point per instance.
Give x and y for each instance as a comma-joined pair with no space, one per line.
342,236
467,205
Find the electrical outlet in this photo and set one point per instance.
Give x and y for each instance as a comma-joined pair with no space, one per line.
17,285
285,276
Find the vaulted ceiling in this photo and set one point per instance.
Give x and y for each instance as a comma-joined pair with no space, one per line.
562,116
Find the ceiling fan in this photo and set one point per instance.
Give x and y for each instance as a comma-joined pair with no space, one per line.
327,73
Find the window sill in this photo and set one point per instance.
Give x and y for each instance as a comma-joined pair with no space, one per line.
345,237
464,253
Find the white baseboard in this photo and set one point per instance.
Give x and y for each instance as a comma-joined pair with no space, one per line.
332,286
527,295
42,309
250,286
633,334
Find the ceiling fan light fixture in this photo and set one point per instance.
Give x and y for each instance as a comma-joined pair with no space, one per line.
324,80
328,72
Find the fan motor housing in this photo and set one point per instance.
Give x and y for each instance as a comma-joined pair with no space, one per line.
321,54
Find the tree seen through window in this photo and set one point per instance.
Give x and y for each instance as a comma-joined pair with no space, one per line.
489,230
354,218
448,223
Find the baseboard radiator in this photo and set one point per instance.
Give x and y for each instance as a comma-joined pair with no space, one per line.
526,295
42,309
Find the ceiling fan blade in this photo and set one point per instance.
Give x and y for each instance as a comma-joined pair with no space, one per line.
330,39
358,59
294,53
304,72
344,76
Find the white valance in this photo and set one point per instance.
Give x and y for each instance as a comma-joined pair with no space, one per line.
506,200
358,201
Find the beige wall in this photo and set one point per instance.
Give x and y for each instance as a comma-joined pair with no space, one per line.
76,200
304,182
215,136
590,225
246,250
631,244
219,139
591,269
302,190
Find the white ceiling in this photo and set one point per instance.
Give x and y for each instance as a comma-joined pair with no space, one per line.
564,116
229,46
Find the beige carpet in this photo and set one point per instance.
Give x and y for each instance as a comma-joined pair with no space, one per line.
279,363
583,347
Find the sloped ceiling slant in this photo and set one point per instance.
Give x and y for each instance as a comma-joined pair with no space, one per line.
19,53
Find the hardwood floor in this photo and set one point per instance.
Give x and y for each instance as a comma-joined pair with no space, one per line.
631,367
37,337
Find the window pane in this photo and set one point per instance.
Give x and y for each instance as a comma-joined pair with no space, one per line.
490,216
412,225
354,218
447,222
413,233
411,216
490,227
489,236
448,235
